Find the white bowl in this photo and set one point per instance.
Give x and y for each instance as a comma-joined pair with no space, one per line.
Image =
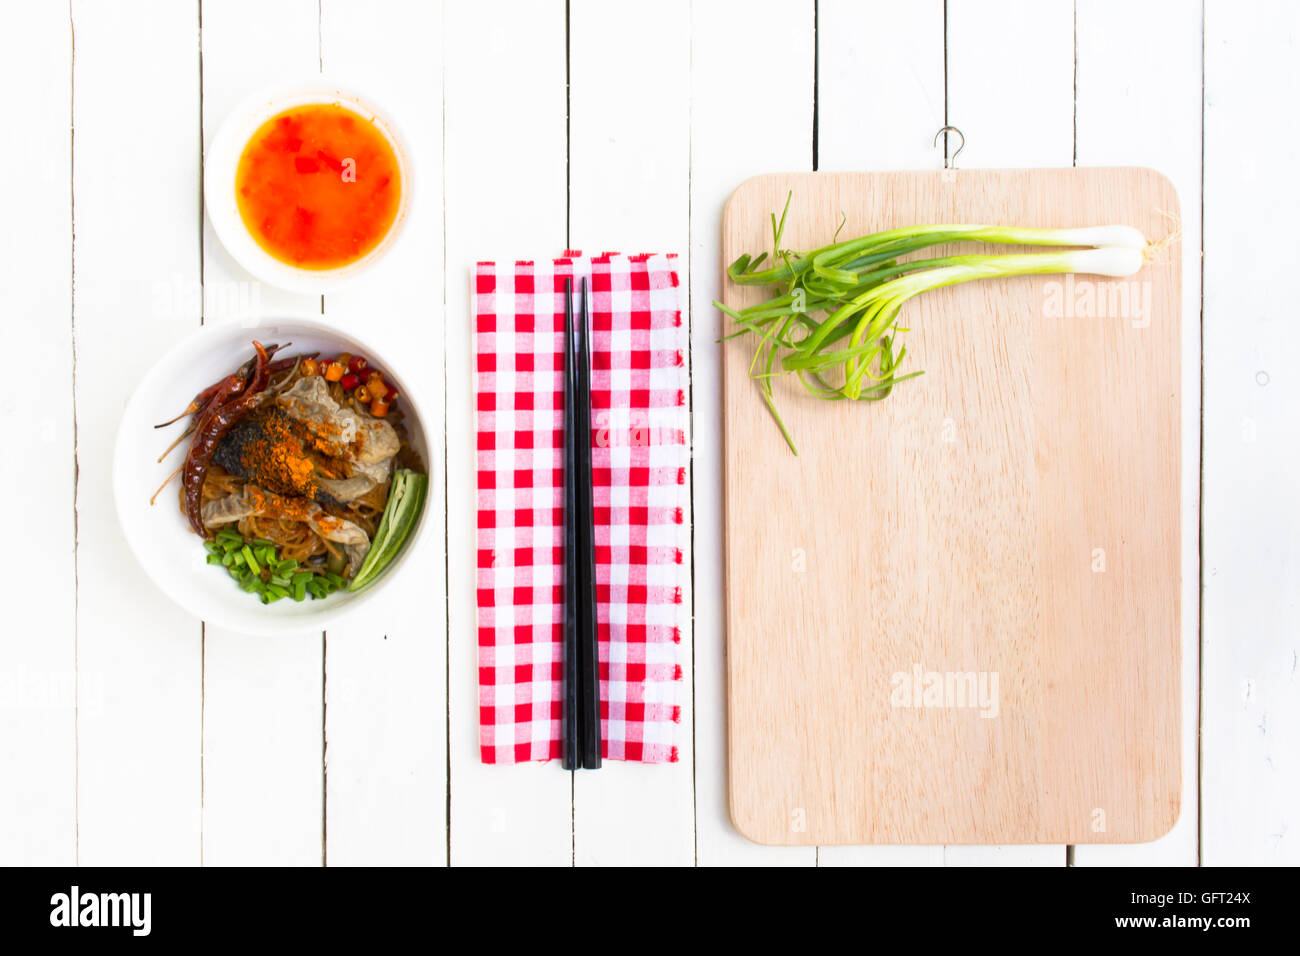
173,555
222,164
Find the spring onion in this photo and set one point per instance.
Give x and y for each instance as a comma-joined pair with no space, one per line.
405,499
255,565
834,322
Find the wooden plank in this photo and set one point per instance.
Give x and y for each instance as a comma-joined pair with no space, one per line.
38,676
629,156
974,557
505,199
731,139
1250,738
1024,855
897,132
135,188
1011,91
990,102
263,698
846,856
1125,47
386,683
861,131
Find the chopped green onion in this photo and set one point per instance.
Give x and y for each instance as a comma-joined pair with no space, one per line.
247,561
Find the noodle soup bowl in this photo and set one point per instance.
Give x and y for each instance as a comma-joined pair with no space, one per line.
171,554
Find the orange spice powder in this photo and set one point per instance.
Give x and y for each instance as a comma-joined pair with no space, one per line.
279,460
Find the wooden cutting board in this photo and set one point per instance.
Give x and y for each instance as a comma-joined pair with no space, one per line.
954,617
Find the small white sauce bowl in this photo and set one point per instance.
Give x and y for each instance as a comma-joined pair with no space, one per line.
222,164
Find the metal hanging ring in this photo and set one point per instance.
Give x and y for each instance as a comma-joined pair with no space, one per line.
949,161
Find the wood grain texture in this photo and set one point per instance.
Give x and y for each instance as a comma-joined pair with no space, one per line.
1250,734
912,65
38,648
385,688
1124,46
629,188
262,701
730,140
987,54
126,783
136,263
956,528
520,814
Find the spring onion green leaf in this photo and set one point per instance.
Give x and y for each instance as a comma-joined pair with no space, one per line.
401,513
255,565
833,320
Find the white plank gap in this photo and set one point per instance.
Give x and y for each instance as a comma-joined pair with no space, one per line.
385,689
263,697
629,156
1139,104
136,203
38,675
732,138
505,199
1250,735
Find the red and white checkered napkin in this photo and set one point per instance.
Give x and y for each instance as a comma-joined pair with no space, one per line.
639,459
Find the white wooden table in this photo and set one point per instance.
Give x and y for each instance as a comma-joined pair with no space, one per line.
130,733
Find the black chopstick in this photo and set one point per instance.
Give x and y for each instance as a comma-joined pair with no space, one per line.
581,668
589,663
570,754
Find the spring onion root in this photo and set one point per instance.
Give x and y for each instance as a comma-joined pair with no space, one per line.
834,322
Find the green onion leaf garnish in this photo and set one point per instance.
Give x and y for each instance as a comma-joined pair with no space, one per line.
401,513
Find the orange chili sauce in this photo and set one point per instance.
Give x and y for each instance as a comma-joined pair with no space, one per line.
318,186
